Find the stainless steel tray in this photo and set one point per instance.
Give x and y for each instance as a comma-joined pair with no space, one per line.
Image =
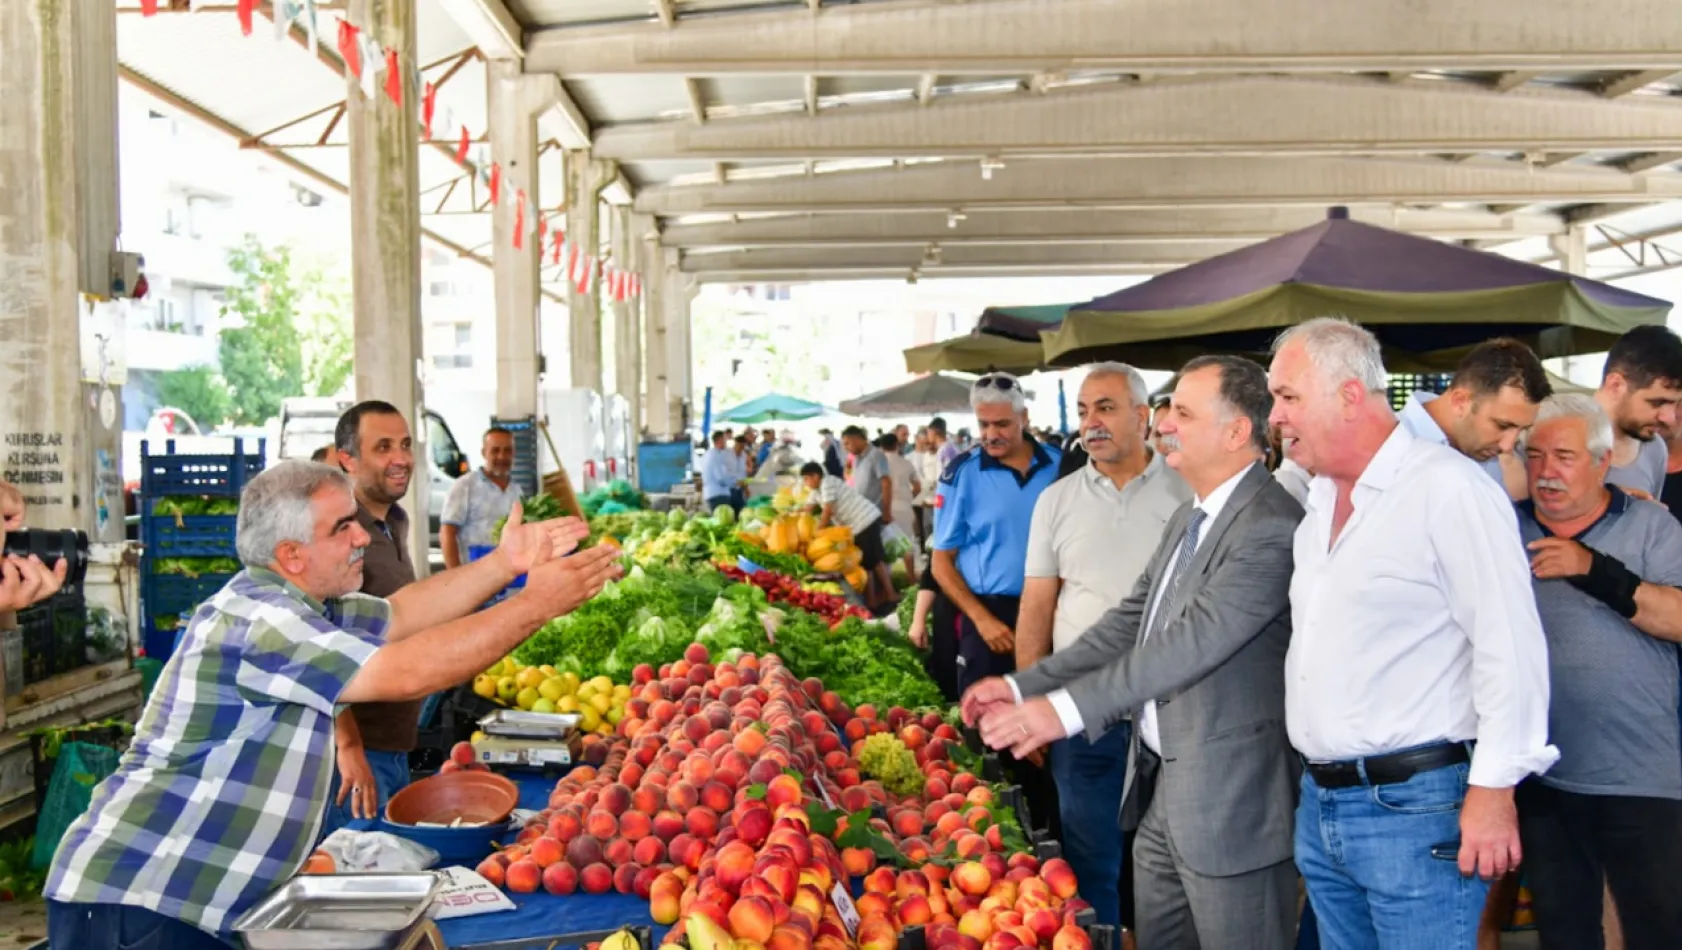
529,725
339,912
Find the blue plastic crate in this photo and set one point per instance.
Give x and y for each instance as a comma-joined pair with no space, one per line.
172,473
189,536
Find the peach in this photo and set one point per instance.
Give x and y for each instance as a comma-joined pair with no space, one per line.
909,883
1018,874
916,849
1060,877
972,878
696,653
647,800
524,876
649,851
596,879
1004,890
601,824
565,826
546,851
618,852
1044,923
877,933
716,796
970,845
819,876
668,824
702,823
635,826
560,878
789,936
809,898
915,910
493,871
752,918
625,878
1001,940
616,798
750,742
873,903
1024,860
1071,937
881,881
995,837
663,905
753,825
682,796
583,850
856,730
994,863
783,790
856,798
976,925
948,823
907,822
734,865
763,771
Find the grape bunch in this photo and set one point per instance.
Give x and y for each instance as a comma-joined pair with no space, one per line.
886,759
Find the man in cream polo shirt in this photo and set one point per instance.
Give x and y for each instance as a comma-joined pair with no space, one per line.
1093,532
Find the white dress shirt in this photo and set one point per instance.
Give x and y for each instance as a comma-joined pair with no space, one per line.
1419,625
1061,701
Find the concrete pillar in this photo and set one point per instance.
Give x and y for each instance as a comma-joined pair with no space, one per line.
58,220
515,100
657,391
667,347
1572,248
385,249
585,178
627,317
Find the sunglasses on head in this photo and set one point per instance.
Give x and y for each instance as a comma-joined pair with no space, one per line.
996,382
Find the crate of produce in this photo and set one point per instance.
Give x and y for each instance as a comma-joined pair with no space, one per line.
170,597
218,474
173,536
53,636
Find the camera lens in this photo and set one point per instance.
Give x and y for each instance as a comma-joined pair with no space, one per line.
52,547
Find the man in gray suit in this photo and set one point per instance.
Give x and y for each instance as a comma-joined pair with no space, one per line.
1196,653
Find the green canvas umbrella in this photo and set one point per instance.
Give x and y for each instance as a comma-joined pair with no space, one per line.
1006,339
771,407
1428,302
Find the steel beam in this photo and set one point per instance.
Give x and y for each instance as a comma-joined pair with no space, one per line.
1243,115
489,25
1080,226
1152,36
1000,259
1164,183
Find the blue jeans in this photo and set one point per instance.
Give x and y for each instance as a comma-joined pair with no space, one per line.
1381,865
120,927
1089,776
391,775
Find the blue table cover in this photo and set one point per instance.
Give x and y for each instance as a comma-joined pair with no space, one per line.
542,914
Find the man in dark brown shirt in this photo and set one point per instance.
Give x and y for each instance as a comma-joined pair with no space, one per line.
374,739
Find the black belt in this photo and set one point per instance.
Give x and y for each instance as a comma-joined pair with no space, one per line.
1387,769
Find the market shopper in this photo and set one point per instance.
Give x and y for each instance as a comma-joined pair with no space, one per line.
1639,391
1607,571
718,473
374,740
1092,535
479,499
1489,402
218,800
841,504
871,477
1416,681
1197,648
905,485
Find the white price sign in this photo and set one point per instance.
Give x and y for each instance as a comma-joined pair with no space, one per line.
844,906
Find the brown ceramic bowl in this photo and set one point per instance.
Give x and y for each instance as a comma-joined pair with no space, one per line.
480,797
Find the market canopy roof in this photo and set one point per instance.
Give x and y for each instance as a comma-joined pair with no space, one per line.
771,407
1022,323
977,352
925,395
1428,302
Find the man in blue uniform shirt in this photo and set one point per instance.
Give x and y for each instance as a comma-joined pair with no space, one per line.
986,502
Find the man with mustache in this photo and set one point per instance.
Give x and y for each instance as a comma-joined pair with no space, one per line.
1491,399
1639,392
1606,572
1092,535
375,739
479,499
218,800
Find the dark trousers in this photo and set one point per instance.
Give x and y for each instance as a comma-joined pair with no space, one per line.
1572,842
1089,777
120,927
942,660
976,660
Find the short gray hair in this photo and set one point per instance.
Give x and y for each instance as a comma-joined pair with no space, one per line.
1243,391
1580,406
1136,387
275,507
980,395
1339,350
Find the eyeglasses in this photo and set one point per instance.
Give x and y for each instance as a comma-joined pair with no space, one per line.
1004,383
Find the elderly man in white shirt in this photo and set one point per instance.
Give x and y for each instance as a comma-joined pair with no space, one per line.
1417,677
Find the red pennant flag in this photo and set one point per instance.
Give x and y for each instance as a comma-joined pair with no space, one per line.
542,232
148,7
429,104
519,218
393,76
246,8
559,239
461,147
496,181
349,49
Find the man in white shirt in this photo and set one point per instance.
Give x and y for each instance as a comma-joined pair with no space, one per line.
1492,398
1197,649
479,499
1414,636
1093,534
719,477
1639,391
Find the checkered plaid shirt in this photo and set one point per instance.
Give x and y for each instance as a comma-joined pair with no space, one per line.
220,797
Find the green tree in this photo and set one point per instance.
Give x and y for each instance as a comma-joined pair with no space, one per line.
288,332
199,392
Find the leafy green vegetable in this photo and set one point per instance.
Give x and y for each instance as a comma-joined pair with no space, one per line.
196,567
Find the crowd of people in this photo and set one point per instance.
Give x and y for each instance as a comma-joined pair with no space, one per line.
1278,632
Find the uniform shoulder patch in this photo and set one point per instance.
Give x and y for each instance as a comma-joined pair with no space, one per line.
950,475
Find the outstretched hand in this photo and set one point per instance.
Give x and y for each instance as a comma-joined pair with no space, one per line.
526,546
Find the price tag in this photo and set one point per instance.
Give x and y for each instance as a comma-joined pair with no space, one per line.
466,894
844,906
823,793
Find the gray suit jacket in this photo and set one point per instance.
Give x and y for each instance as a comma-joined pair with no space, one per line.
1217,671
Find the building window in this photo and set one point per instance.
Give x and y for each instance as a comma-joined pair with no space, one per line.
453,361
464,335
439,288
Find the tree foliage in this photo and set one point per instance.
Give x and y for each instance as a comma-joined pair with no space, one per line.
286,332
199,392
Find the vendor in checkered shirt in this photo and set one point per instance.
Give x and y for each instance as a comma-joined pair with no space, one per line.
220,798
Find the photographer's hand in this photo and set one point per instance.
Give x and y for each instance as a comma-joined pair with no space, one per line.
26,581
11,508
